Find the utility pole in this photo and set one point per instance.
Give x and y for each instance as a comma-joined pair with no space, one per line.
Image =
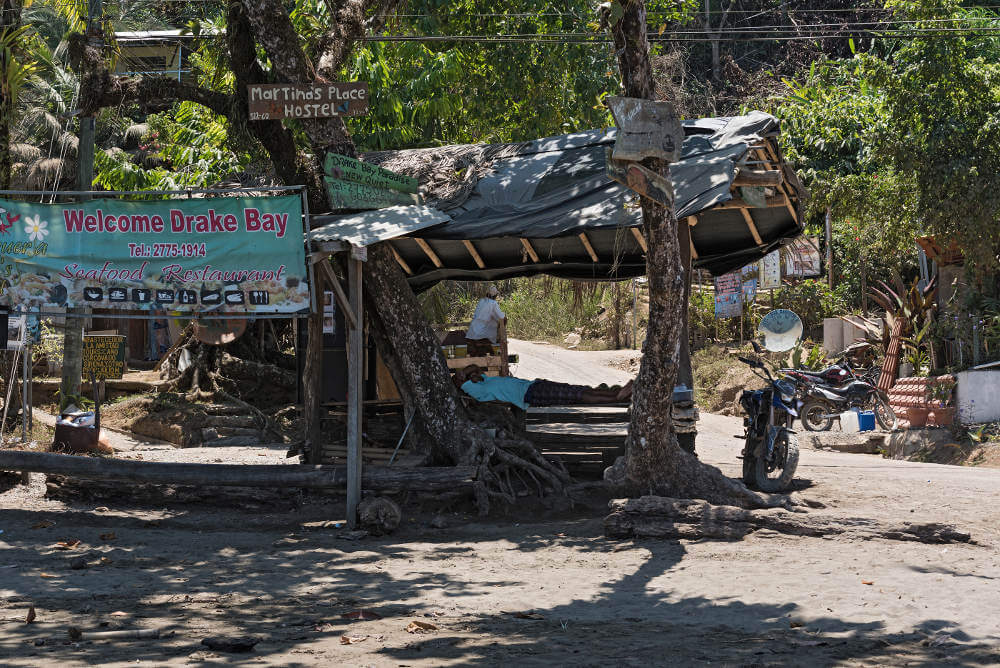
72,367
829,249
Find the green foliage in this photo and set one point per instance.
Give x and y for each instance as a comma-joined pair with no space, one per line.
943,113
813,300
807,355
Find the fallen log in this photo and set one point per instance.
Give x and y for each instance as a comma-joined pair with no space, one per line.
235,475
664,517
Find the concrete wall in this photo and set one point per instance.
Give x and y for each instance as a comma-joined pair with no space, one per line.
978,396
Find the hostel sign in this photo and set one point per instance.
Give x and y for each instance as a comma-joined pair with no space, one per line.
193,255
319,100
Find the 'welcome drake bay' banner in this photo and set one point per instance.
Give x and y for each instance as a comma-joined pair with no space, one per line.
219,255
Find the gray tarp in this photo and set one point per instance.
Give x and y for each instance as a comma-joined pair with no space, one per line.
558,186
550,190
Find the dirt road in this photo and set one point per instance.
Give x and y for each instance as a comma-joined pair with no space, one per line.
538,587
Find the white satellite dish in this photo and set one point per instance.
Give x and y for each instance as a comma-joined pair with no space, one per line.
781,330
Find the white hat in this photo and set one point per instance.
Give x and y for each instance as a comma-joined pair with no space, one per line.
492,291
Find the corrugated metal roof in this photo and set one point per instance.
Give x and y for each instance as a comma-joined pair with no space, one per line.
369,227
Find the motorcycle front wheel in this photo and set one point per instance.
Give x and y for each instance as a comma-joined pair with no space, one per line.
884,415
777,475
812,413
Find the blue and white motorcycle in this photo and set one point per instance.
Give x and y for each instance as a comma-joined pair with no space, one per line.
771,449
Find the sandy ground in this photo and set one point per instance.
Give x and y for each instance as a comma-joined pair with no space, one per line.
287,577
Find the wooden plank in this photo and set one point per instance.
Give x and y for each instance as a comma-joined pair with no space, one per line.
232,475
751,177
355,389
338,293
637,233
586,244
401,261
692,221
530,250
772,202
768,152
426,248
637,178
474,253
753,227
646,129
694,253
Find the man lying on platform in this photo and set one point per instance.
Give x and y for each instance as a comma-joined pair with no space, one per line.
523,393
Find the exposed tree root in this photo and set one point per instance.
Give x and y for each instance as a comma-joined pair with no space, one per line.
664,517
203,381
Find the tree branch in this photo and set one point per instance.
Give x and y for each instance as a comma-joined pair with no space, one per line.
153,93
349,25
277,140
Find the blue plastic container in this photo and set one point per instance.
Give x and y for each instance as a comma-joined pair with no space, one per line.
866,420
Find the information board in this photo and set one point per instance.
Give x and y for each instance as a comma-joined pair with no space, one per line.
104,356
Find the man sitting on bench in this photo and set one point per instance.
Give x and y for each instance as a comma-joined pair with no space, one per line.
523,393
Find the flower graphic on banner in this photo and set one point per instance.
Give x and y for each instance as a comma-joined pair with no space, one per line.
36,228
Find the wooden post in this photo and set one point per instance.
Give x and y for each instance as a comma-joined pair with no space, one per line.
312,376
355,375
864,285
829,249
685,374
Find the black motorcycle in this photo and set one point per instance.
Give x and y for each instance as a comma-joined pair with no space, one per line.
824,403
771,450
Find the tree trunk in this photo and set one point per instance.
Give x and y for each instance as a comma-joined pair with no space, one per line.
72,365
408,345
233,475
654,462
10,20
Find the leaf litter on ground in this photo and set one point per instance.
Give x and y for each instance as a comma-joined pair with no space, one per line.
420,627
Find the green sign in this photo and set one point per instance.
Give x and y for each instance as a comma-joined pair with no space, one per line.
350,195
343,168
215,255
103,356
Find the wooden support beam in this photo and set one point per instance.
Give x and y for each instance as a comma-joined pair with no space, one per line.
694,253
769,203
233,475
790,207
692,221
753,227
401,261
355,390
753,177
338,293
637,233
426,248
530,250
474,253
330,246
586,244
769,153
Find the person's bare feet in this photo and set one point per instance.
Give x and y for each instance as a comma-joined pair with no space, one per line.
625,392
